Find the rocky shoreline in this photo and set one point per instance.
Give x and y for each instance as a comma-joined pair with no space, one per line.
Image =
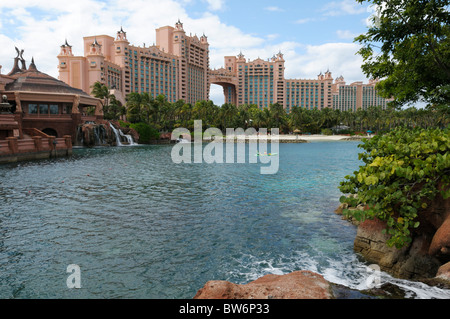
295,285
425,260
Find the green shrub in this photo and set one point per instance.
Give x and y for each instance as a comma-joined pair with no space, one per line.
146,132
351,132
404,171
327,131
124,124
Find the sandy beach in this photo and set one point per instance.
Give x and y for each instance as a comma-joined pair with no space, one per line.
317,137
288,138
309,138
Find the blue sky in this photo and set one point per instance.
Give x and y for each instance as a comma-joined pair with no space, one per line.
313,35
309,22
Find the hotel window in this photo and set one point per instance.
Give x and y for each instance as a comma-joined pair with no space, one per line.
54,110
68,109
32,109
43,108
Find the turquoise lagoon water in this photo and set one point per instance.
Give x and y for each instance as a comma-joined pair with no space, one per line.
140,226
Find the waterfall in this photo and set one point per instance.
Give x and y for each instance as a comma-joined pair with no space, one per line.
91,134
79,140
119,135
128,137
100,135
119,143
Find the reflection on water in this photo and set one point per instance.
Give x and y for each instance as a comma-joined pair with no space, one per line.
140,226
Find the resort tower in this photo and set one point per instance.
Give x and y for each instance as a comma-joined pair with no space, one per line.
176,66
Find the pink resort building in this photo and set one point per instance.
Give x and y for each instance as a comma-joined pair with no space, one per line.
262,82
177,66
354,96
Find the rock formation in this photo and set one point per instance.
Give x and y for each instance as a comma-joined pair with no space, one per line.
127,131
411,262
101,134
428,251
90,135
295,285
444,272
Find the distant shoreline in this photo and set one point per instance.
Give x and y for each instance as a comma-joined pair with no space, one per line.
319,137
295,138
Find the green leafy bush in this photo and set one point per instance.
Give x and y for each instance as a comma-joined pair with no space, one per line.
404,171
146,132
347,131
124,124
327,131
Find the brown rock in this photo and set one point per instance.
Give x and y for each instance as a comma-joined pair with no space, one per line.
444,272
296,285
410,262
349,217
440,245
165,136
371,243
340,209
442,279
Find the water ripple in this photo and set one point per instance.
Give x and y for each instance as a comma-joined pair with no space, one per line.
140,226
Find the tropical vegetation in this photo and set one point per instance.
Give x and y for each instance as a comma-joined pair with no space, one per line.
404,171
407,46
112,108
165,116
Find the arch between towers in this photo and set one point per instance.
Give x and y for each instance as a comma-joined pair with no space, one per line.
229,85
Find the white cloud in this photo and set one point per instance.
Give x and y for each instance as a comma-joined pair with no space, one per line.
215,5
339,58
344,7
216,95
305,20
272,37
40,31
274,9
374,12
346,34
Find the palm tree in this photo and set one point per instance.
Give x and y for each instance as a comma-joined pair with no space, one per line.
254,115
278,117
295,118
185,115
328,118
134,104
226,116
243,118
361,119
207,112
263,118
101,91
114,110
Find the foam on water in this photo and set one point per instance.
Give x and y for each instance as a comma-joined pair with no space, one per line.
348,272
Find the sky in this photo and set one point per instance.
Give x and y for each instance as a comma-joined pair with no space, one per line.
314,36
